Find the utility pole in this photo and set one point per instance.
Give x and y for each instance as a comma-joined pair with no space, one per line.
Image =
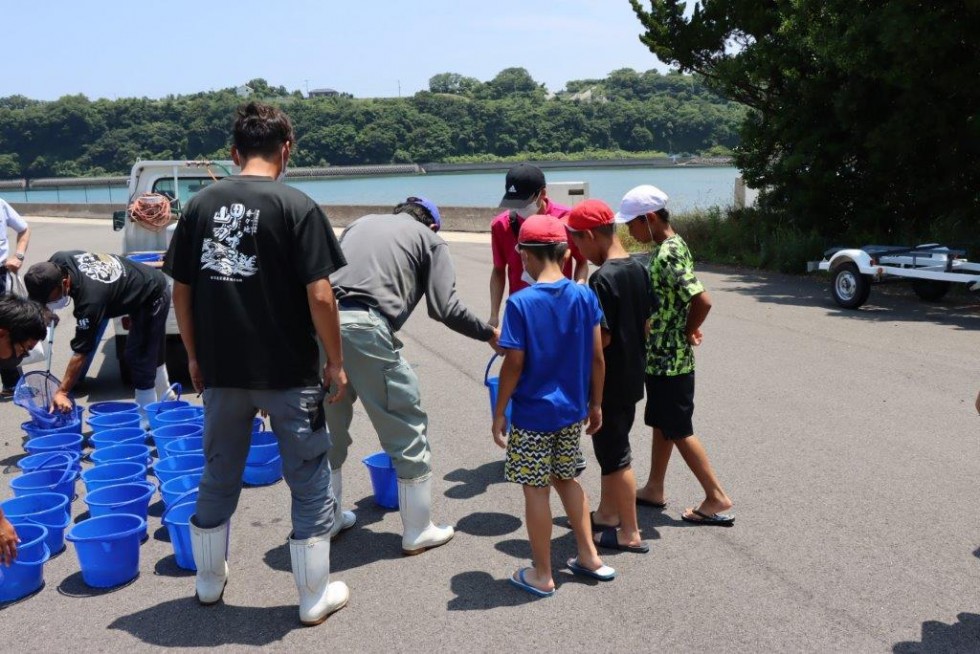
399,88
307,82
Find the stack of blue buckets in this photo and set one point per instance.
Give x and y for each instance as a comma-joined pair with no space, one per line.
117,491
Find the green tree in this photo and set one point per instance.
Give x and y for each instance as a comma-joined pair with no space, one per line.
862,115
453,83
514,82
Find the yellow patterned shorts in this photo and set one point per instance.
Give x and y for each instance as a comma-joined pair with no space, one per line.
534,457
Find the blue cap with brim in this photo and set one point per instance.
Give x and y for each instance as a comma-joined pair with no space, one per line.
431,208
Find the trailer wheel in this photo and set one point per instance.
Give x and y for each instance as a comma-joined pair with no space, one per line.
849,287
930,290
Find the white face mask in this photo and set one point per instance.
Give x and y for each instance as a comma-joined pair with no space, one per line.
526,276
527,210
59,304
282,171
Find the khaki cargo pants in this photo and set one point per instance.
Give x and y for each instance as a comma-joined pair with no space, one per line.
388,389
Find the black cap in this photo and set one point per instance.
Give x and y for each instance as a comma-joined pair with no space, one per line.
41,279
523,183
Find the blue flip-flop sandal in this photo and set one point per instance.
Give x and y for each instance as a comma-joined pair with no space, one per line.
523,584
602,573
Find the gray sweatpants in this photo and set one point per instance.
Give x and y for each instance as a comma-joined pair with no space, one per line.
389,391
297,420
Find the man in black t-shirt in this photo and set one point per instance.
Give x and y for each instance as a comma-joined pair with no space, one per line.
104,286
624,293
251,260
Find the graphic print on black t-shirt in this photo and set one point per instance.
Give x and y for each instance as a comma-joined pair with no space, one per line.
221,253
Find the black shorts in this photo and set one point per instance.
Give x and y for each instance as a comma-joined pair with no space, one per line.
612,442
670,405
146,344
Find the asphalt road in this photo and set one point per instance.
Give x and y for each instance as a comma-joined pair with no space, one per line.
848,441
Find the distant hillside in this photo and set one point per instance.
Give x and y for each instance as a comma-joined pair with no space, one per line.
459,119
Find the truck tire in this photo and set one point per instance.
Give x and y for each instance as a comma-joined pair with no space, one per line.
930,290
849,288
124,375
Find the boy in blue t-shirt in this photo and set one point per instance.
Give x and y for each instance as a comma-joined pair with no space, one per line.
553,371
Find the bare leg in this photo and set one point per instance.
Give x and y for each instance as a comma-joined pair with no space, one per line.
716,501
537,514
659,458
577,509
622,492
607,513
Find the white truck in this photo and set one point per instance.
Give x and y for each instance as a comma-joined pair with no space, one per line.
178,181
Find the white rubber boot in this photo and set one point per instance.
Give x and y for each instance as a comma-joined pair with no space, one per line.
210,547
342,520
143,397
318,598
162,385
415,507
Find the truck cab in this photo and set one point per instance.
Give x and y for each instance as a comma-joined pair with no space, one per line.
178,181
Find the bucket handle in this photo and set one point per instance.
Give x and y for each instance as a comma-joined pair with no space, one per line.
34,521
44,557
69,472
486,375
180,499
53,456
176,388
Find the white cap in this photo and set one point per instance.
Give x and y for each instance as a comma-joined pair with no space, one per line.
640,201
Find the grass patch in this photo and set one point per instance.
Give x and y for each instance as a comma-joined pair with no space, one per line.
744,237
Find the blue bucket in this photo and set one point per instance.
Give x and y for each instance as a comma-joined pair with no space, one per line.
118,436
51,461
188,445
108,548
26,574
264,447
135,452
493,385
33,431
145,257
113,421
61,481
55,443
384,481
192,414
131,498
264,473
111,474
177,519
164,435
50,510
184,486
178,466
104,408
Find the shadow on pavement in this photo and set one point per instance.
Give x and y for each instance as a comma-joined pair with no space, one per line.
488,524
478,591
962,636
888,302
474,482
74,586
182,623
167,567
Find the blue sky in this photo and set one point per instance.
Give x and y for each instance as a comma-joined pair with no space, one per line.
113,48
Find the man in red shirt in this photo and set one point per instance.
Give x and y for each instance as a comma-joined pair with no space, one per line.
525,196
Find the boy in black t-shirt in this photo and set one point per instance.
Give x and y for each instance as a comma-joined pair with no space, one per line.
623,289
251,260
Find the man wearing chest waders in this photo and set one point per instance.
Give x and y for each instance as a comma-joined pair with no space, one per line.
393,260
251,260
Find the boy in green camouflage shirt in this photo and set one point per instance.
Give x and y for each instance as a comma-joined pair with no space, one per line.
675,328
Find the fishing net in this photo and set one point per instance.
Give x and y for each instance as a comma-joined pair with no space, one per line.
34,392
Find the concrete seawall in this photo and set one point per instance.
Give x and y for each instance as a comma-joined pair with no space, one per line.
456,219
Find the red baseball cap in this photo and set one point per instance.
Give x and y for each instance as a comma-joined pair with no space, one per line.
589,214
539,229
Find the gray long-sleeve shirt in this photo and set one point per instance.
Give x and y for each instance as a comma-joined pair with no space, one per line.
392,260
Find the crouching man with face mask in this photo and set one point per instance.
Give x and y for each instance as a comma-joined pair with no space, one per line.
103,286
525,195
